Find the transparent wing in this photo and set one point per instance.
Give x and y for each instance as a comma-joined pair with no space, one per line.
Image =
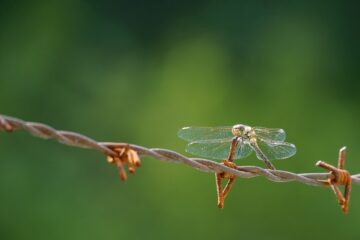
215,149
242,150
276,150
274,134
218,149
192,134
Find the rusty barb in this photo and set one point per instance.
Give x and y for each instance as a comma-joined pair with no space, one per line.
5,125
124,155
339,177
120,155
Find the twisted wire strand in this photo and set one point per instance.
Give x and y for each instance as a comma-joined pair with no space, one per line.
78,140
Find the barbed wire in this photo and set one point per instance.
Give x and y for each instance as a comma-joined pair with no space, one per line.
113,151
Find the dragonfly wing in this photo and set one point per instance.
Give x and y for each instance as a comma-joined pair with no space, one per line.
242,150
214,149
274,134
193,134
276,150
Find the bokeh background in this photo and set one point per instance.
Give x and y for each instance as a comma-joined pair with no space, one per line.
137,71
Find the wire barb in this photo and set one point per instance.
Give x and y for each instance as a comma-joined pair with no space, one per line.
125,156
5,125
122,154
339,176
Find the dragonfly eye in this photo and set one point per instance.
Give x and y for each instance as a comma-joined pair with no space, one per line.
238,130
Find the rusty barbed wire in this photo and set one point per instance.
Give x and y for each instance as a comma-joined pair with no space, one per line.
116,154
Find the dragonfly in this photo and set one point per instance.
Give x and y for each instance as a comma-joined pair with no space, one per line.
238,141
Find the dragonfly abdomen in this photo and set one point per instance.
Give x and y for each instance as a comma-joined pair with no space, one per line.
260,154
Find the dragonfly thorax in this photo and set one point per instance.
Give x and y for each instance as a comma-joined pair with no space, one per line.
240,130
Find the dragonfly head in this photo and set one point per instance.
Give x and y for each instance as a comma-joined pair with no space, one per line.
241,130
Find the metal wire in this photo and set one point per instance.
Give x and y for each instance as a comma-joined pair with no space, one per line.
77,140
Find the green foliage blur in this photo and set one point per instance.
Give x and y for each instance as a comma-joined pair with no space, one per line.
137,71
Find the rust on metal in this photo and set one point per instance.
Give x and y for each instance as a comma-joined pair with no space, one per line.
339,177
125,156
122,154
222,193
5,125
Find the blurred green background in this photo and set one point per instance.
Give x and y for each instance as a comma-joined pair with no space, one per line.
137,71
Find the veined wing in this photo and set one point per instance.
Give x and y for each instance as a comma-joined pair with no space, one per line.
214,149
276,150
274,134
218,149
242,150
192,134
